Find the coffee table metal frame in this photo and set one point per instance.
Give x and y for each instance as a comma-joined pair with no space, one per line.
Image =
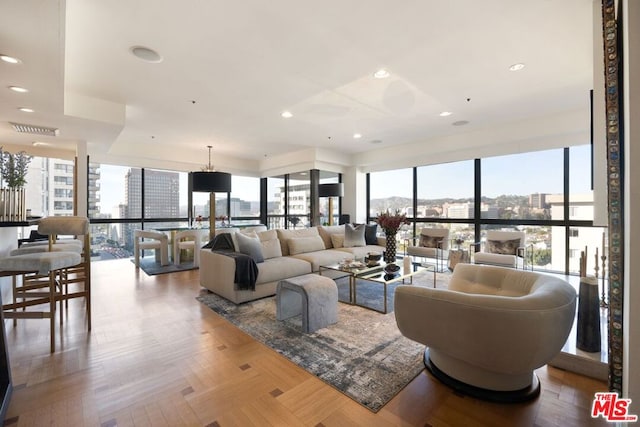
375,274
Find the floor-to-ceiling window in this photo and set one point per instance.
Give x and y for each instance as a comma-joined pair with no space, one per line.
547,194
445,198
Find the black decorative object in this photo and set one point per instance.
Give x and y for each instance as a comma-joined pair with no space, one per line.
390,252
588,336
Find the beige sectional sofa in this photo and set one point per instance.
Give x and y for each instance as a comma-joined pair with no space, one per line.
287,253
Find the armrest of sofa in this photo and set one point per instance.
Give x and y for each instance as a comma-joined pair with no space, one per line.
217,273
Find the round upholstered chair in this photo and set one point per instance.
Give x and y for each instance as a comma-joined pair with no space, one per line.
489,331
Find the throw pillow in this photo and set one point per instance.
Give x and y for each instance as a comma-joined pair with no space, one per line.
303,245
354,236
504,247
427,241
326,231
285,234
271,249
371,234
337,240
250,246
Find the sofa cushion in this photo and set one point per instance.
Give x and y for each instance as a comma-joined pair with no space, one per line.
359,252
323,257
302,245
267,235
354,236
250,246
284,235
271,249
276,269
327,231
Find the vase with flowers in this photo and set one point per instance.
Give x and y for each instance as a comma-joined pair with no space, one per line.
390,224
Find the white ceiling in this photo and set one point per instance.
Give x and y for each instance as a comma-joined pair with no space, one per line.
245,62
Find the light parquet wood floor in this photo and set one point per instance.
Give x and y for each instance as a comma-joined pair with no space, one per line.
157,357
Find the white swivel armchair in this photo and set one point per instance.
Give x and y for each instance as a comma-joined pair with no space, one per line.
432,243
489,331
192,239
502,248
148,239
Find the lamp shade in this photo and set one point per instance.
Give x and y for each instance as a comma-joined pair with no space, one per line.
211,182
330,190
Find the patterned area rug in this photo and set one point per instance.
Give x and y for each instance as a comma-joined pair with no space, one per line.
364,355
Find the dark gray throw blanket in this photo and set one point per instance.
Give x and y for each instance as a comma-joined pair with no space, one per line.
246,267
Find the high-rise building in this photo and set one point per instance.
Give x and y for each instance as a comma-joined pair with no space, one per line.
49,188
161,197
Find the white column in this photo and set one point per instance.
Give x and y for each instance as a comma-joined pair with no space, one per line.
82,201
354,201
631,341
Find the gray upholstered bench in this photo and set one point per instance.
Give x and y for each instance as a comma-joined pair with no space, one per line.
313,296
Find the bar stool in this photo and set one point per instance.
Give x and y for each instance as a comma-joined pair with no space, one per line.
48,270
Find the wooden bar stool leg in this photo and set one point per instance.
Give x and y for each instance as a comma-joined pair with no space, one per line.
52,307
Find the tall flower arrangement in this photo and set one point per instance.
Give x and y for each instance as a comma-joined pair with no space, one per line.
13,172
391,223
14,168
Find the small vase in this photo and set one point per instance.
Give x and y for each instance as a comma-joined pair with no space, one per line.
390,252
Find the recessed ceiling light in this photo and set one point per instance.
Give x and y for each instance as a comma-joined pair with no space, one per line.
445,113
460,123
10,59
516,67
286,114
146,54
381,74
357,135
25,110
40,144
18,89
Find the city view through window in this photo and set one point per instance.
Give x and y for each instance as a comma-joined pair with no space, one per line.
522,191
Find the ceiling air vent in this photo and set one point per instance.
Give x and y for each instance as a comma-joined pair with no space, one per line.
37,130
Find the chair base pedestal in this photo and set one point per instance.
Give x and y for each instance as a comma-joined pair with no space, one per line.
515,396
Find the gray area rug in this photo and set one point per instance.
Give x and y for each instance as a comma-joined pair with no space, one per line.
364,355
151,267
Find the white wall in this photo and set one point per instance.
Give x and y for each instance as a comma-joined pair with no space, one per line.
631,342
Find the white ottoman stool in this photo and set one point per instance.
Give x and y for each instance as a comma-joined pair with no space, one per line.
313,296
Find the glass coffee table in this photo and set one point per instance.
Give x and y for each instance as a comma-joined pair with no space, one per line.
377,274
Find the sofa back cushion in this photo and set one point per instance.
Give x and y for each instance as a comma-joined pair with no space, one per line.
270,244
301,245
326,231
284,235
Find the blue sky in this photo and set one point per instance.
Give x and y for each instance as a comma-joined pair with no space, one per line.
520,174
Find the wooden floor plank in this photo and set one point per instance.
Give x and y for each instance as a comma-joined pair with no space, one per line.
156,356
